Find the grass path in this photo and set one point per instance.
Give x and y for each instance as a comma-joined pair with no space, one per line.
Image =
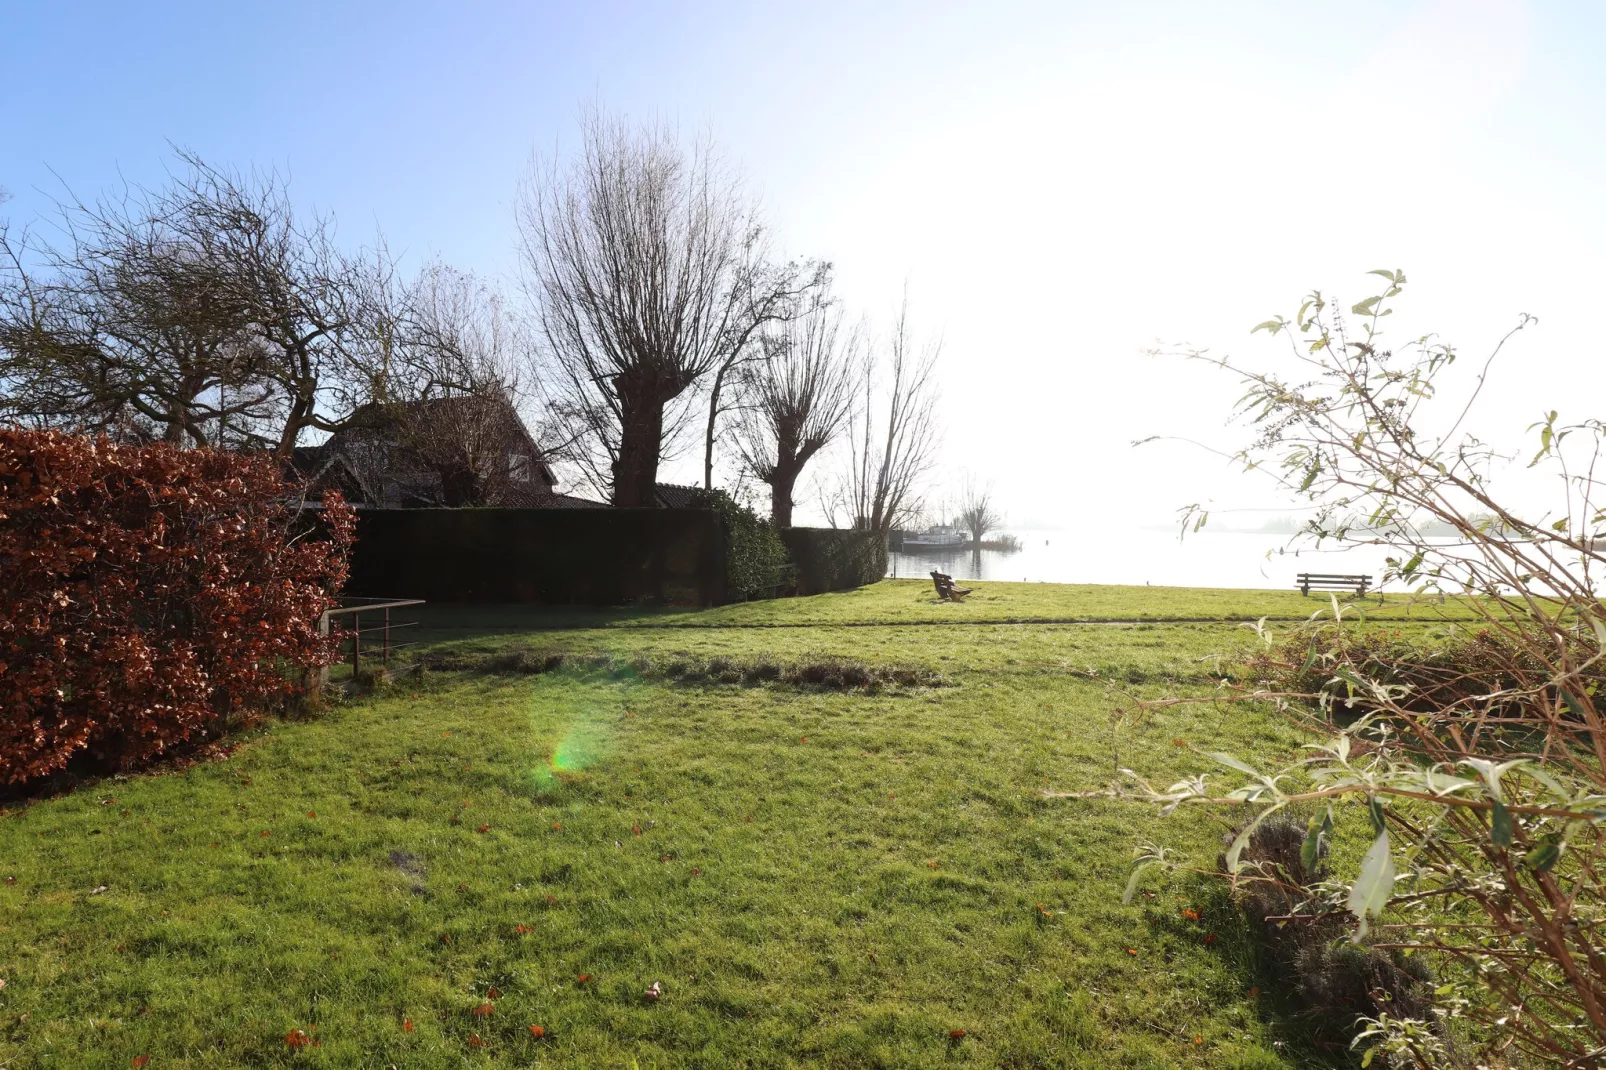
816,878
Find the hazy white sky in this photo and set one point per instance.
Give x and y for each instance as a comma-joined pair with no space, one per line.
1059,184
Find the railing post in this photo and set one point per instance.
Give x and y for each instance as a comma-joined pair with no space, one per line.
386,660
356,646
323,630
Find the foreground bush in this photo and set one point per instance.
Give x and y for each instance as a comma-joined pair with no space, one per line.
148,591
1474,763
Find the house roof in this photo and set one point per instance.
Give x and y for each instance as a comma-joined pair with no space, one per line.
375,416
675,496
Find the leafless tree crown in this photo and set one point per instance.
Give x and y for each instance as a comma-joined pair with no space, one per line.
977,514
893,443
206,312
797,398
646,264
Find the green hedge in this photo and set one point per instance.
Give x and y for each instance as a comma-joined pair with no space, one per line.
595,557
833,559
755,557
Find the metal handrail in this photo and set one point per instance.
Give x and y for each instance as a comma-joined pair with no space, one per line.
356,630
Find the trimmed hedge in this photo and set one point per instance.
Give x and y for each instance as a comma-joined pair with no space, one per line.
145,593
835,559
592,557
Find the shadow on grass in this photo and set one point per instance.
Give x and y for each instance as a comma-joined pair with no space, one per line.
1301,1033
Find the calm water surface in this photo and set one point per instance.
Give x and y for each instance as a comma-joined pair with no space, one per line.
1139,556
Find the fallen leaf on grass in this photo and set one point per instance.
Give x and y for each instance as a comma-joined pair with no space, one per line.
582,978
557,826
956,1034
1190,914
265,832
483,1010
932,862
1198,1040
312,813
483,828
493,993
522,929
407,1025
696,872
654,991
138,1061
474,1040
297,1038
1212,938
537,1032
1132,951
1254,992
635,830
551,900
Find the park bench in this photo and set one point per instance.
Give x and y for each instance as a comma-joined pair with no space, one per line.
946,588
1332,581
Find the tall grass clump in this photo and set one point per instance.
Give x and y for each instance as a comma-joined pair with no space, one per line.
1468,771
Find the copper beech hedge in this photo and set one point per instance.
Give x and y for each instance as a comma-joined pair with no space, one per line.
146,592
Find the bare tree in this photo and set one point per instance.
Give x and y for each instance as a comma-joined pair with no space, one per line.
797,399
133,321
786,289
977,514
207,311
893,445
458,419
646,264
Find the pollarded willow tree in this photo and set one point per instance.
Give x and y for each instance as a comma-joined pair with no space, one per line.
797,398
646,263
1473,758
977,513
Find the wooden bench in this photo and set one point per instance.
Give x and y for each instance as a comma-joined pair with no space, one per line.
946,588
1332,581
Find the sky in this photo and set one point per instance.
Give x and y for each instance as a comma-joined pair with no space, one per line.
1059,187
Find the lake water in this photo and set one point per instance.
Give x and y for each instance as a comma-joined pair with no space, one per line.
1139,556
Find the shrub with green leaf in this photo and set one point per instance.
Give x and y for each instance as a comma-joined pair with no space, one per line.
1472,767
755,557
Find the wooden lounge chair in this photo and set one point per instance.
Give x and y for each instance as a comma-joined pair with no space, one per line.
947,589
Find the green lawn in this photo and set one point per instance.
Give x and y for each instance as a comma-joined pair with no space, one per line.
815,877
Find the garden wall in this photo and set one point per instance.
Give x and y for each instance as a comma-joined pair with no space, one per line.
833,559
593,557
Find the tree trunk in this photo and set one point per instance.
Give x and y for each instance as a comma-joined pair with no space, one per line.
635,469
782,481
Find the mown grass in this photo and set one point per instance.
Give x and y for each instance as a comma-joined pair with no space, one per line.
908,602
818,875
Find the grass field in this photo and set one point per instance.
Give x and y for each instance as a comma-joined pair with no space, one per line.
815,876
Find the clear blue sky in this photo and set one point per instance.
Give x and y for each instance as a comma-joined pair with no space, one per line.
1059,183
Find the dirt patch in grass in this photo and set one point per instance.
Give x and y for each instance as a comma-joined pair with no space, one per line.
822,672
